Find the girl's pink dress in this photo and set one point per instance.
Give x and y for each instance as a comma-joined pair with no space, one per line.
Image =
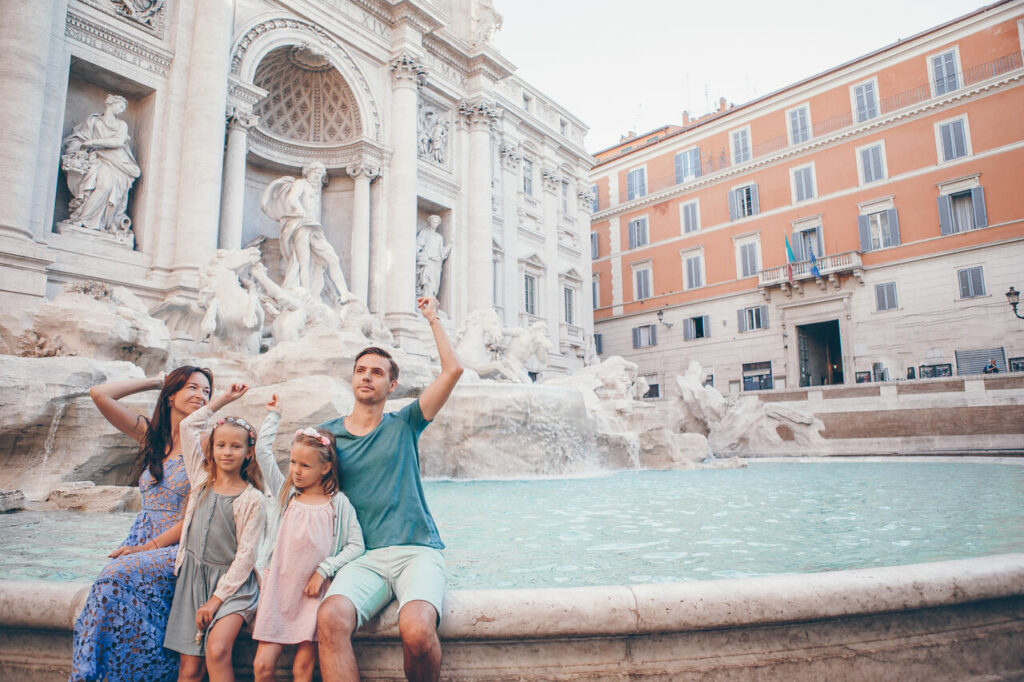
286,615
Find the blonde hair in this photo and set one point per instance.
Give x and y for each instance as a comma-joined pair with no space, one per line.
327,455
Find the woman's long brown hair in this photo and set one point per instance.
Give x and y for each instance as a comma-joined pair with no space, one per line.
158,436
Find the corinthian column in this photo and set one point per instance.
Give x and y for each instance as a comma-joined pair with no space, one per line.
25,48
359,270
233,197
202,163
400,305
480,114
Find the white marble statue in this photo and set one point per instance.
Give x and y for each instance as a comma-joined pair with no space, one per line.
488,22
229,310
100,171
431,252
296,204
481,346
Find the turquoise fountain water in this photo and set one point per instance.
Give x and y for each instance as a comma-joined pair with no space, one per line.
652,526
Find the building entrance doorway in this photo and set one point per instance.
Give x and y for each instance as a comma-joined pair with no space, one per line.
821,354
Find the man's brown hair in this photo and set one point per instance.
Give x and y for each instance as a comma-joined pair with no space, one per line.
374,350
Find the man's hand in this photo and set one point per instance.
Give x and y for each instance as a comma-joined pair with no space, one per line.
314,585
206,612
428,307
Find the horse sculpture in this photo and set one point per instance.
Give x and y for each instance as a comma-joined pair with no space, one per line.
228,308
480,345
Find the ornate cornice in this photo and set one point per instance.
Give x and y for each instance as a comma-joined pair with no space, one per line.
244,95
87,32
419,17
408,67
343,155
447,63
479,112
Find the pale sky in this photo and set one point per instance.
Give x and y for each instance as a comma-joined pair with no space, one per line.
621,66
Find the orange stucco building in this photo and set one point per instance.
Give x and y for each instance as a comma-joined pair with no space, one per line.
863,224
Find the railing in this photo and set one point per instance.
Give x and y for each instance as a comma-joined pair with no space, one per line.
572,333
848,261
713,160
526,319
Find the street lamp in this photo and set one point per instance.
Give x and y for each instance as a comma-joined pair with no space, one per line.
1013,296
661,319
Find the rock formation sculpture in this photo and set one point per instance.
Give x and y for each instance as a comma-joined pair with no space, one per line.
100,169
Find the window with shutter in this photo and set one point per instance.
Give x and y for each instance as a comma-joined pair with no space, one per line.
636,183
871,165
799,126
691,221
740,146
944,74
885,296
972,282
593,245
953,140
865,102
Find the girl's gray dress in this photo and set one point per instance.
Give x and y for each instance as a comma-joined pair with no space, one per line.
209,551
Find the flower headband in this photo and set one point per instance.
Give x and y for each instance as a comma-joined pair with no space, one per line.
313,433
238,421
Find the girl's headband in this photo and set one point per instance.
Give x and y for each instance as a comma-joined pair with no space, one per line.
238,421
313,433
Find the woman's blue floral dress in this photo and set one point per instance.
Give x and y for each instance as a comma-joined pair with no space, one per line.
120,632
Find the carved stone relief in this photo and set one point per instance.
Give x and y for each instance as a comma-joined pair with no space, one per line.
432,128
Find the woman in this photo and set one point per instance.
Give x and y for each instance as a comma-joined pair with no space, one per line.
101,169
119,634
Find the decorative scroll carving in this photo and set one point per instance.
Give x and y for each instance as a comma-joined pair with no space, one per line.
407,67
550,179
364,168
511,156
479,112
239,118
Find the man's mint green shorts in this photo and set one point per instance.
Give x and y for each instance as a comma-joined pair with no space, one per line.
410,572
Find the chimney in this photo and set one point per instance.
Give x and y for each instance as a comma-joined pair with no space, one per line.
721,104
686,118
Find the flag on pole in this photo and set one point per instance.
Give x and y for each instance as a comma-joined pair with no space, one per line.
814,264
790,259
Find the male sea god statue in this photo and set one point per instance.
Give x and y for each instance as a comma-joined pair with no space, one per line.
296,204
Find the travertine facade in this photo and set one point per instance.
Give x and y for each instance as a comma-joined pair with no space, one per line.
407,105
894,180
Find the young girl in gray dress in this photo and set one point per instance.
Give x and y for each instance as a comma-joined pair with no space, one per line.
216,590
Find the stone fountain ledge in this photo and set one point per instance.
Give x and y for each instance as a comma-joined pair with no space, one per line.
946,620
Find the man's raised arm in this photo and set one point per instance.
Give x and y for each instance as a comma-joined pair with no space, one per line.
436,394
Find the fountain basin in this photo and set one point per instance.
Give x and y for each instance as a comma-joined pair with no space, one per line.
945,620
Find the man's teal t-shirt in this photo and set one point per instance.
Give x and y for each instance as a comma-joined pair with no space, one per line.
380,475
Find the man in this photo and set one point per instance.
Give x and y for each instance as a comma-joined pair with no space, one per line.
380,474
991,367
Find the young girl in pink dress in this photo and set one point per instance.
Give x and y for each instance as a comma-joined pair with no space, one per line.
317,533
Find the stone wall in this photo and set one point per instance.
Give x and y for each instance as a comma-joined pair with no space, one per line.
951,620
969,415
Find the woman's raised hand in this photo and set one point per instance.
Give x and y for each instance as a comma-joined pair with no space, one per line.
273,405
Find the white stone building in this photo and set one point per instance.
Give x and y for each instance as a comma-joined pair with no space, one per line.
407,104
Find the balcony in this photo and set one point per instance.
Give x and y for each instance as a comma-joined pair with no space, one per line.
526,319
830,268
